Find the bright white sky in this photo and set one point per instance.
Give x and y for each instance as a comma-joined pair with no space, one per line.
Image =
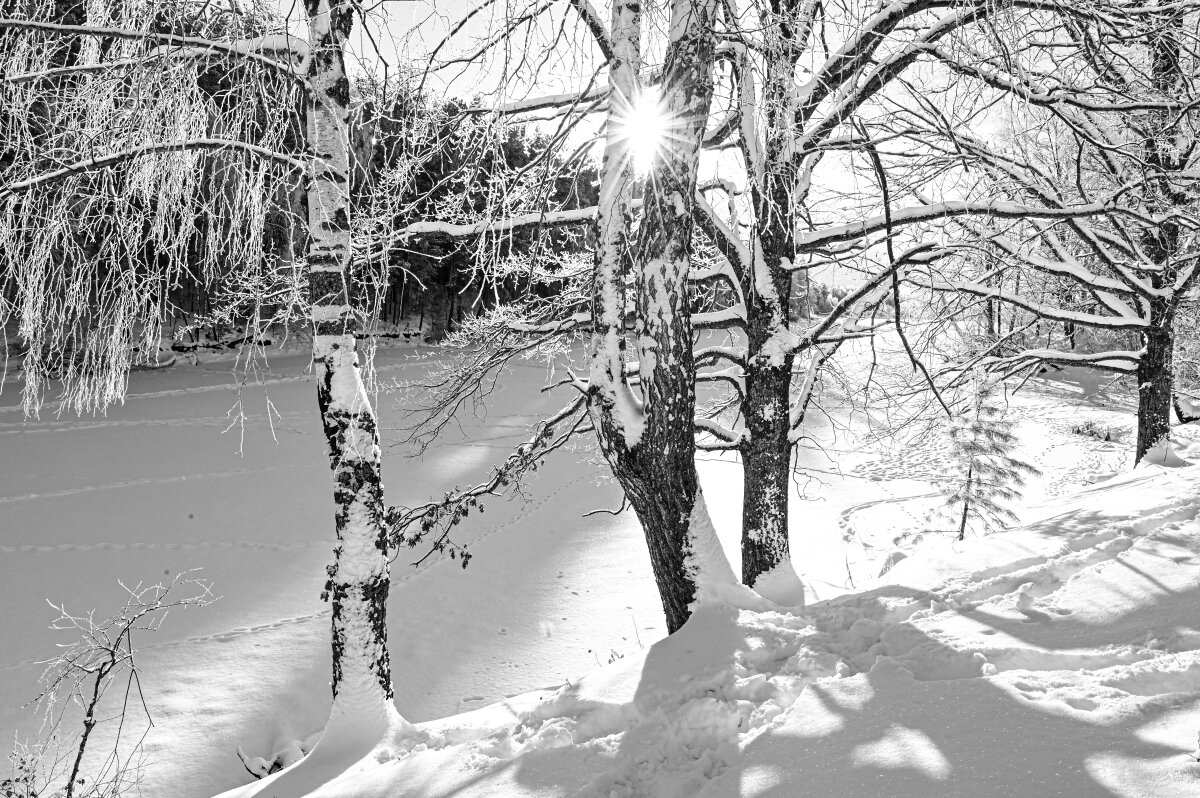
404,32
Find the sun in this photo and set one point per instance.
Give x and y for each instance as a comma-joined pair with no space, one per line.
645,126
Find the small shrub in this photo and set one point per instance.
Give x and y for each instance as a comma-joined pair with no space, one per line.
72,701
1093,429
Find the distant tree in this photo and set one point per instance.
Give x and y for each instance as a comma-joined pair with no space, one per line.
984,468
433,166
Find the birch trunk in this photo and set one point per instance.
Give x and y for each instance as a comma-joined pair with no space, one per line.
649,444
358,578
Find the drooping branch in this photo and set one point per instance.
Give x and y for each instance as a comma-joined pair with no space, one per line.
249,49
115,158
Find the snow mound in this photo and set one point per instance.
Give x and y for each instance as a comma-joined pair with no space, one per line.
1060,658
1163,454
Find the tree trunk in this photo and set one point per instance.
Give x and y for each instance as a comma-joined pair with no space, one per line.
439,304
766,472
766,452
358,579
962,523
1165,157
651,448
1155,379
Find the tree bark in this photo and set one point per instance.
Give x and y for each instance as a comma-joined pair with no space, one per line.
1163,155
1155,378
649,444
766,477
358,580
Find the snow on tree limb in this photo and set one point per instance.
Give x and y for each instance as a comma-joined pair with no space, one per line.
250,49
1122,361
1039,308
944,210
569,99
596,25
728,439
539,219
112,159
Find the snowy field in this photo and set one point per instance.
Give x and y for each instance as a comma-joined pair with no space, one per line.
1061,658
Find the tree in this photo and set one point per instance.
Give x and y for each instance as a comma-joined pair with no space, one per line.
649,442
1121,112
113,144
787,215
863,107
984,471
636,287
432,160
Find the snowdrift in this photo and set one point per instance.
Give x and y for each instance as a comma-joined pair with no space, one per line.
1061,658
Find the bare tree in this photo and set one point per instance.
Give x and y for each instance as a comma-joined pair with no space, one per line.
1119,110
778,215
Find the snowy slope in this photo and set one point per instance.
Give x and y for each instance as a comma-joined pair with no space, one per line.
740,703
1060,659
155,488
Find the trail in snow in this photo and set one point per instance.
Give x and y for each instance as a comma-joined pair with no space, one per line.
132,483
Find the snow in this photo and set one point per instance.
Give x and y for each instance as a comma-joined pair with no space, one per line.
937,683
1162,454
1061,657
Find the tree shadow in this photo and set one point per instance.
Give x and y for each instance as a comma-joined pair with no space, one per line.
884,732
888,733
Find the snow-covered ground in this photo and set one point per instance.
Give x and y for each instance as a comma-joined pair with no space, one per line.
1055,659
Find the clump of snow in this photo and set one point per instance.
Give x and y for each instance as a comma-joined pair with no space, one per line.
1163,454
781,585
705,559
781,343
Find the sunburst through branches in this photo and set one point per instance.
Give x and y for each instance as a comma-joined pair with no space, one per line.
644,126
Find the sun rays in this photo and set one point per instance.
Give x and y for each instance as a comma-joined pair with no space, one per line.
645,125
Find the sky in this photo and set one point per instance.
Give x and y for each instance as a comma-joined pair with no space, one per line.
407,32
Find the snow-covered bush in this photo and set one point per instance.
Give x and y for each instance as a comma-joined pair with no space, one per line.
1101,432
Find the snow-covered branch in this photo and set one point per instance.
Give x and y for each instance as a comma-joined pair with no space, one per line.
1039,308
943,210
112,159
250,49
728,438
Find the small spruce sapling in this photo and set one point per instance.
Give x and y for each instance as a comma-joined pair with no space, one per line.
984,470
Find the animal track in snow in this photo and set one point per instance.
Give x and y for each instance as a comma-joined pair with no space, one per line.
134,483
139,546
